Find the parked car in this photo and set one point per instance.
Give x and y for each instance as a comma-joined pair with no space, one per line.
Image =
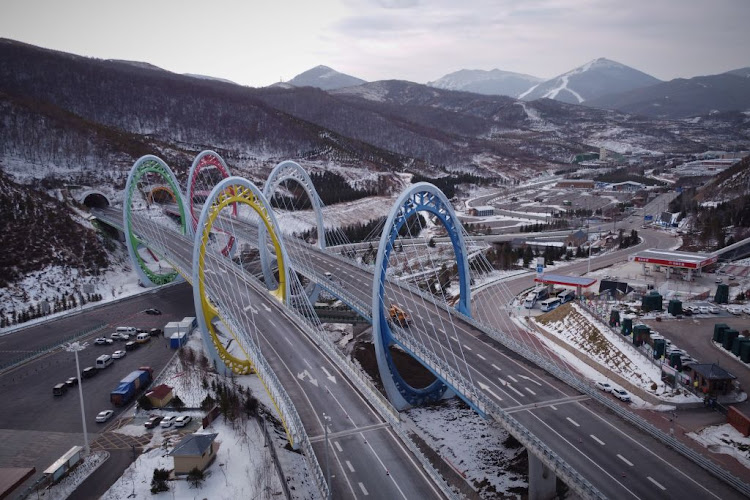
182,420
118,354
156,332
719,280
129,346
115,336
153,421
704,310
604,386
124,336
153,311
60,389
736,310
72,382
746,309
102,341
105,415
731,277
89,372
621,394
167,421
714,310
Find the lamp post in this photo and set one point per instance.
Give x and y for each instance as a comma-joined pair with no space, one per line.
74,347
326,420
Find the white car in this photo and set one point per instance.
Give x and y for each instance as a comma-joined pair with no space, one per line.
621,394
704,310
102,341
182,420
604,386
719,280
746,309
168,421
734,310
119,354
714,310
105,415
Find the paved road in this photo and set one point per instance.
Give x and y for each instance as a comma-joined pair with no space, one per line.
574,429
37,428
605,446
366,458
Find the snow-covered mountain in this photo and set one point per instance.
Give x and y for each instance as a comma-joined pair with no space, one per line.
493,82
324,78
593,79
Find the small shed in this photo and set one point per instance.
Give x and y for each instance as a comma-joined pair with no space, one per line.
160,396
194,450
576,238
712,379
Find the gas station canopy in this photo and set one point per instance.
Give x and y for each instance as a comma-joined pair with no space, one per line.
561,279
674,258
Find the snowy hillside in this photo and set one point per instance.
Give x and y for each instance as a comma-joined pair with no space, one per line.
324,78
593,79
493,82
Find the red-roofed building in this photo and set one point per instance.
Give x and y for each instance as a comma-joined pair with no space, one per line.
160,396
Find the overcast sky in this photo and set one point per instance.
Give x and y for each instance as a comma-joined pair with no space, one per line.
258,43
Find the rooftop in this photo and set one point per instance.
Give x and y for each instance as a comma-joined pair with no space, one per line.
160,391
712,372
673,258
193,445
561,279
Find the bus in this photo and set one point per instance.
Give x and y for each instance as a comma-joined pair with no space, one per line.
566,296
534,295
549,304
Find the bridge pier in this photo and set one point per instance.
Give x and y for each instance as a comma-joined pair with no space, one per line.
542,481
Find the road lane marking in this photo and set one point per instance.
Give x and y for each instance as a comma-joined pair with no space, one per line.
349,464
553,407
467,347
512,379
656,483
572,421
597,439
487,389
625,460
529,390
481,357
455,339
496,367
515,390
530,380
364,490
338,446
290,342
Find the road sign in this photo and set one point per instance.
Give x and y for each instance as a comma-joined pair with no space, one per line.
648,217
539,269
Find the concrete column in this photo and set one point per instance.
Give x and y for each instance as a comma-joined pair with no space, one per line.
690,274
542,481
668,269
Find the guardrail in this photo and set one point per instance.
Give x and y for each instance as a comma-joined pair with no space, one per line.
367,388
623,413
49,348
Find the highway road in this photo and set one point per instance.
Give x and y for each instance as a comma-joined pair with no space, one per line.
36,428
366,457
619,460
573,427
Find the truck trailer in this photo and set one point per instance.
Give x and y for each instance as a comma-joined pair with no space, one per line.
130,385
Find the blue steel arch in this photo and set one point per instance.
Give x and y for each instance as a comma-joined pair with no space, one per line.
420,197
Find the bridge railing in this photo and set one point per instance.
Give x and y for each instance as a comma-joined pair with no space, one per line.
561,468
363,383
623,413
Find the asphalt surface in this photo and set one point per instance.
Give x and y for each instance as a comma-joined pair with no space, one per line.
36,428
617,459
366,459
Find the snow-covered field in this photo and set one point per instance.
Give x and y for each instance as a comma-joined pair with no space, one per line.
725,439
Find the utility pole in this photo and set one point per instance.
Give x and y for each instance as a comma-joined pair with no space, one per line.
74,347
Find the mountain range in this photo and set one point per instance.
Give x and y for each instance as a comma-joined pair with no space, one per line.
601,83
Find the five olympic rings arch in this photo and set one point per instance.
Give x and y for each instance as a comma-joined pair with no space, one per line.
232,192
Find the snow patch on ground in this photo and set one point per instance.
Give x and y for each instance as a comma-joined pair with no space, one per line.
725,439
475,447
65,487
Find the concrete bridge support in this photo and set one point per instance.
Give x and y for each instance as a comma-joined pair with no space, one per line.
542,481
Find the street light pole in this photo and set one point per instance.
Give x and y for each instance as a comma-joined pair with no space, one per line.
327,419
74,347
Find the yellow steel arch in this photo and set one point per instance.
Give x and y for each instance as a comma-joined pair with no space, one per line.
231,195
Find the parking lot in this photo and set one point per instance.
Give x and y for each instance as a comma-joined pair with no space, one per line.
37,427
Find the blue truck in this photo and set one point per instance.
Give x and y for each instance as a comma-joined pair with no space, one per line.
130,385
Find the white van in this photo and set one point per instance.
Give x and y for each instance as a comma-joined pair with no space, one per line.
142,338
103,361
566,296
130,330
